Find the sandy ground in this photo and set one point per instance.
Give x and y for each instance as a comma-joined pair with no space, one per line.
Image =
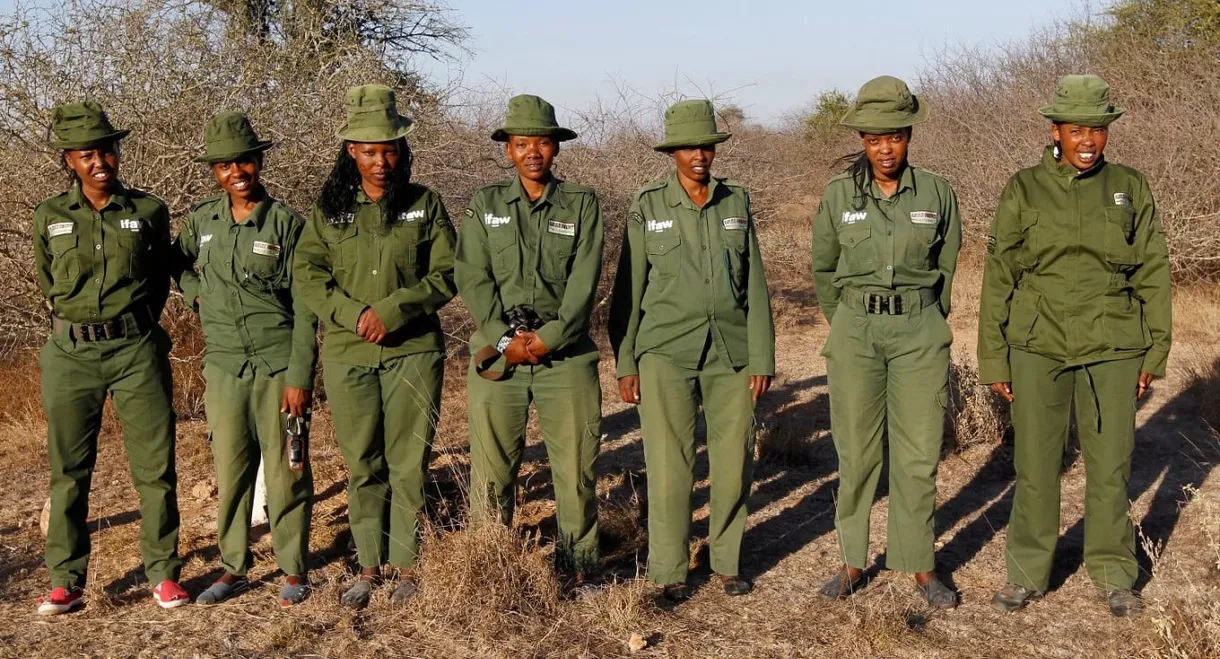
790,548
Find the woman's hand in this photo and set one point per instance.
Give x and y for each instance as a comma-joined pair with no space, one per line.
517,352
1004,389
1145,383
759,384
370,328
629,389
296,401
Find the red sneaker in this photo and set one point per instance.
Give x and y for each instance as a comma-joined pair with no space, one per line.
170,595
60,601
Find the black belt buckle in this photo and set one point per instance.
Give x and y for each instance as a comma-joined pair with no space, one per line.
884,304
90,332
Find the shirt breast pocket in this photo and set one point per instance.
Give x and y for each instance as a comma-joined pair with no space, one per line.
858,253
411,239
262,270
341,242
1027,254
556,256
1120,238
923,245
133,252
505,251
664,253
65,257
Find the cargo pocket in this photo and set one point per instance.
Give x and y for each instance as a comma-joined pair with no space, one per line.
1022,316
663,253
858,252
923,244
1027,253
133,252
505,255
1119,238
65,257
344,252
409,239
1123,319
556,255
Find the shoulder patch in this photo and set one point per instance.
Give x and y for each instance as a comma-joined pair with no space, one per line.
469,212
635,217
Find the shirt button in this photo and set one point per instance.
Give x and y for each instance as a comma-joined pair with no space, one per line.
374,272
97,281
707,281
97,247
889,267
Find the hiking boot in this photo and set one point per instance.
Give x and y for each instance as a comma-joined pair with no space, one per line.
674,594
170,595
841,585
1012,598
735,586
937,594
61,601
1123,602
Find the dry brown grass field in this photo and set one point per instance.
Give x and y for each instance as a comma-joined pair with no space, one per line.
490,591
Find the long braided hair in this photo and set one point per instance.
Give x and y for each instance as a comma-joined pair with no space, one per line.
337,200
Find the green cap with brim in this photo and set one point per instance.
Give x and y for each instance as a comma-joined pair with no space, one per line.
1083,100
229,137
372,116
690,124
82,125
885,104
531,116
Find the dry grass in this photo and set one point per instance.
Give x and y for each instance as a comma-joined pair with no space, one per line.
977,416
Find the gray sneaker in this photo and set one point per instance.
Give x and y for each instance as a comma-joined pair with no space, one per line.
1123,602
358,595
1012,598
404,591
938,595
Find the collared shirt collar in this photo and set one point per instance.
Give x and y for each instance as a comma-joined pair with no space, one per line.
675,194
256,216
906,181
118,199
516,191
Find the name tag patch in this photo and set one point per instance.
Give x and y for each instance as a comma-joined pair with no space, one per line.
851,217
925,217
561,228
657,226
205,239
60,229
411,216
736,223
490,220
1122,199
266,249
131,225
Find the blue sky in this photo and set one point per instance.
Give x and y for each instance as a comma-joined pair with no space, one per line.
770,57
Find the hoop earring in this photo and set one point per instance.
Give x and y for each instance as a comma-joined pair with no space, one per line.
1058,151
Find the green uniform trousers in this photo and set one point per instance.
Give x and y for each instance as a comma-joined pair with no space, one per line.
568,397
888,375
76,376
1043,392
385,419
670,397
245,422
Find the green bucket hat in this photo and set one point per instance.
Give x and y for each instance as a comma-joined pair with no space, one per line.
1083,100
885,104
372,116
532,116
229,136
690,123
82,125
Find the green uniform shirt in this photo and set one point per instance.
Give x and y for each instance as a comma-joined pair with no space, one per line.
97,265
905,242
688,273
404,272
241,272
1077,270
546,255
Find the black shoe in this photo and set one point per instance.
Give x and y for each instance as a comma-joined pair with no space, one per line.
1123,602
674,594
1012,598
937,594
735,586
841,585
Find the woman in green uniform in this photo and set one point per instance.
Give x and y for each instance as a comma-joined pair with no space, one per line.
1075,311
691,326
376,264
235,266
885,243
103,259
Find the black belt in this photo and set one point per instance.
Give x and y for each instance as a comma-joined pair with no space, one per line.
891,304
128,324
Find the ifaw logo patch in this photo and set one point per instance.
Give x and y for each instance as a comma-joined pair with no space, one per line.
851,217
657,226
131,225
411,216
493,221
